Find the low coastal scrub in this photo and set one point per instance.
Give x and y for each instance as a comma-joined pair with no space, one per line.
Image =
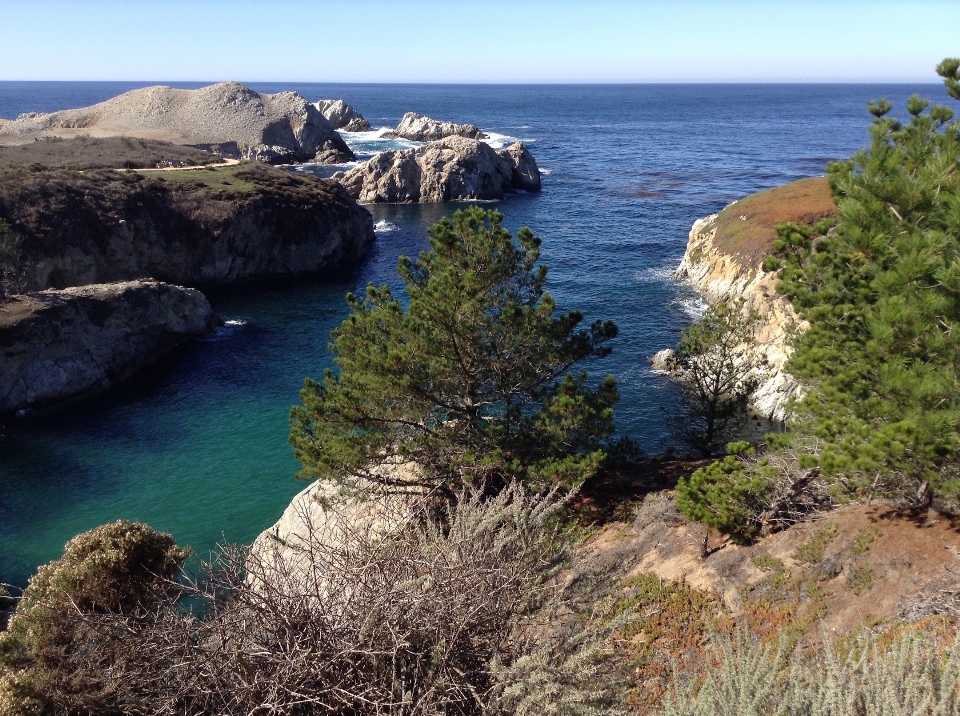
914,673
435,616
86,153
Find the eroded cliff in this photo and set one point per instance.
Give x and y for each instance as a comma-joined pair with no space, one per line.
724,262
190,227
56,345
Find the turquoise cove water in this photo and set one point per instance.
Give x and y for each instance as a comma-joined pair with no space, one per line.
197,444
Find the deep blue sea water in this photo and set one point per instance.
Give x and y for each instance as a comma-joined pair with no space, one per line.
197,445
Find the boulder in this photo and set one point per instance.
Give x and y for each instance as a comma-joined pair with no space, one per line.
323,517
226,118
60,344
452,169
342,116
424,129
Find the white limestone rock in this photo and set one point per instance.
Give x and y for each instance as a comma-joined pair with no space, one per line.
719,276
424,129
451,169
342,116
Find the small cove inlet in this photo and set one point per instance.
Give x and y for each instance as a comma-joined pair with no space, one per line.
197,444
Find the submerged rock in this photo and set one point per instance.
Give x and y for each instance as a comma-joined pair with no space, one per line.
451,169
60,344
226,118
342,116
423,129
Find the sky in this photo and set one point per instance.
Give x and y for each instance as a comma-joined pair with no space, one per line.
457,41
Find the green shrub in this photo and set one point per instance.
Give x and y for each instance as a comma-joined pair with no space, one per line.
728,495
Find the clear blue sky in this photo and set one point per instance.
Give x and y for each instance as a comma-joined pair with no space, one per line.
479,41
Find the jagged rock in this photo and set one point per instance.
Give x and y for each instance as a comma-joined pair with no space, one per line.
424,129
342,116
60,344
662,361
451,169
724,262
525,174
226,118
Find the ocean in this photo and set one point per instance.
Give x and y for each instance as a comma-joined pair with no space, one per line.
197,444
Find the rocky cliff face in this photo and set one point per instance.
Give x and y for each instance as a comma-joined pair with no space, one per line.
56,345
724,262
342,116
451,169
228,118
97,227
423,129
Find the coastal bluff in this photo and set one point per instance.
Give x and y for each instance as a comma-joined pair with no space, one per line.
724,262
451,169
225,118
61,344
191,227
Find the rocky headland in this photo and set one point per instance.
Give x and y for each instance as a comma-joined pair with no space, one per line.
424,129
451,169
342,116
60,344
190,227
724,262
227,118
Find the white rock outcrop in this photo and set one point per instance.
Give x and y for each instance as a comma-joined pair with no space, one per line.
321,519
451,169
227,118
342,116
424,129
720,276
59,344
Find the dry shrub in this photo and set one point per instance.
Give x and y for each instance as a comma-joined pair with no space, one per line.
423,615
52,658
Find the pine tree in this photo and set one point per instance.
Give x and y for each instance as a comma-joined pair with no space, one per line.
717,372
471,381
882,295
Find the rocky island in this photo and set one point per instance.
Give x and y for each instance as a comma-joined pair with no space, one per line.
424,129
227,118
342,116
451,169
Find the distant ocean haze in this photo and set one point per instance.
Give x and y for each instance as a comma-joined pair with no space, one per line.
197,445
